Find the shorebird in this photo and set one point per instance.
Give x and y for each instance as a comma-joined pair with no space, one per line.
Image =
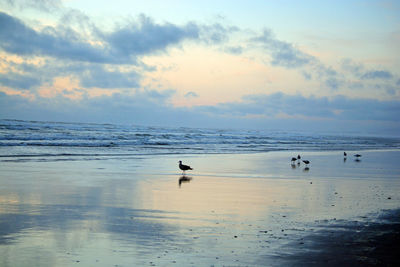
184,167
357,157
306,162
298,158
293,160
344,154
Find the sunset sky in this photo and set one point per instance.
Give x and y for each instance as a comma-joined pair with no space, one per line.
290,65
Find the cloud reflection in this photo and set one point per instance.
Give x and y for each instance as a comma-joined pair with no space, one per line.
140,226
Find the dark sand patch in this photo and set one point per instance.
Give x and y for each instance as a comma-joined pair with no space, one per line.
348,243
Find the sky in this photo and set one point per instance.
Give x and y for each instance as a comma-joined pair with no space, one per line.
331,66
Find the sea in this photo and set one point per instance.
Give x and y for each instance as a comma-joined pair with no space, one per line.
51,141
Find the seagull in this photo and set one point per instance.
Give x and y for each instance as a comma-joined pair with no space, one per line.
293,160
184,167
345,154
306,162
298,157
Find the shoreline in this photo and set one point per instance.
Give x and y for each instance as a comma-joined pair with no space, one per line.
65,157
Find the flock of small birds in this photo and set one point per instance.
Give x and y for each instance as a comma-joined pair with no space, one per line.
298,159
293,160
357,156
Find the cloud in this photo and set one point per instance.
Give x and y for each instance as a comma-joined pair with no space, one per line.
306,75
122,45
359,70
42,5
147,107
287,55
18,81
356,76
97,59
216,33
148,37
235,50
339,107
283,53
17,38
377,74
89,75
150,107
349,65
191,94
98,76
160,97
333,83
78,20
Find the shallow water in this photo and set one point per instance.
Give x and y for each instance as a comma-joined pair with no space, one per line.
237,209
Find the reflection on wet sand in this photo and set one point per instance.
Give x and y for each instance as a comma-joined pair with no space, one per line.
96,231
184,179
243,197
131,224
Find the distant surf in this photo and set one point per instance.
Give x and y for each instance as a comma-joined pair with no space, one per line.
57,140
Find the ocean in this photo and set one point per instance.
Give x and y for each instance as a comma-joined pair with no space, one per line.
38,140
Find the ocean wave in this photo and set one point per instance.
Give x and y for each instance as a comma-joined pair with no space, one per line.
48,138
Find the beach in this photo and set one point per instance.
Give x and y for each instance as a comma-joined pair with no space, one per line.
199,133
231,210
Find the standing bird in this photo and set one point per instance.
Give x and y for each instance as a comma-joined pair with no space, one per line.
293,160
357,155
298,158
344,154
184,167
306,162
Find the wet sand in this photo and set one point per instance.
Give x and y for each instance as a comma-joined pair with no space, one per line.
231,210
350,243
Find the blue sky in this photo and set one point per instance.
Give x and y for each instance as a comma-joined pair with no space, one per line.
291,65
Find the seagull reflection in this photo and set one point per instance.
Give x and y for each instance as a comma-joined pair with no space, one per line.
184,179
